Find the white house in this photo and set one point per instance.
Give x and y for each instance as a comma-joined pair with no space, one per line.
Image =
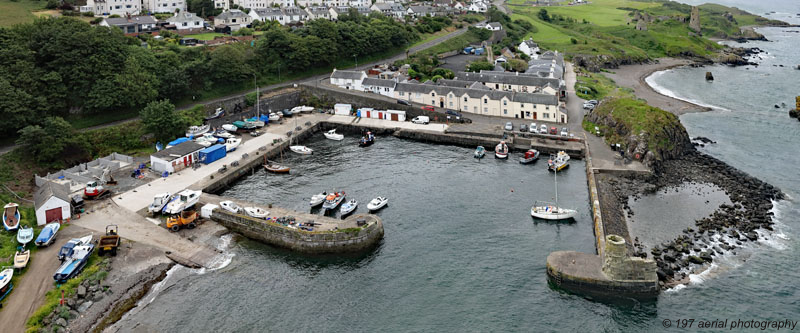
185,21
175,158
133,25
112,7
530,48
164,6
477,7
494,26
458,5
223,4
379,86
234,18
294,14
348,79
419,11
391,9
266,14
318,12
52,203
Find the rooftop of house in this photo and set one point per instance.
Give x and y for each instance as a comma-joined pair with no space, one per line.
534,98
184,17
347,75
370,81
47,190
231,14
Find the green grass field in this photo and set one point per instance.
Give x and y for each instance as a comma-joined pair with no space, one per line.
206,36
12,12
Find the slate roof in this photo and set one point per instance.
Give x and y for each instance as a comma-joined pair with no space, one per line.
264,12
421,9
478,93
506,78
370,81
48,190
495,25
347,75
178,151
184,17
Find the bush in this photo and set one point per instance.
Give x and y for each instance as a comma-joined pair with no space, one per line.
88,14
51,4
250,99
573,40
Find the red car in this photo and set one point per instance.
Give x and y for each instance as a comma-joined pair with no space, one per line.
553,130
428,108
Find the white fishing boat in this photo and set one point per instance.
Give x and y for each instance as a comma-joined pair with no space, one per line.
333,200
550,211
5,282
303,150
159,201
24,235
207,140
11,216
317,199
558,162
332,135
197,130
232,143
302,108
377,203
21,258
224,134
230,206
256,212
183,200
274,117
254,123
230,127
348,207
501,150
67,249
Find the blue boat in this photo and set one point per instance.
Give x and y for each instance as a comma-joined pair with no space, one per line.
74,264
177,142
5,282
68,249
48,234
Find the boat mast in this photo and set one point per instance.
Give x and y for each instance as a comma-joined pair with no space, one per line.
555,176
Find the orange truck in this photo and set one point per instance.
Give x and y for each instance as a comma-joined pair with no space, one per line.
186,219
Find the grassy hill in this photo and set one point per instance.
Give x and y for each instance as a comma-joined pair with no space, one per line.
20,11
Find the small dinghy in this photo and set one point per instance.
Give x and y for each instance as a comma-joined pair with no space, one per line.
230,206
274,117
48,234
5,282
333,200
332,135
348,207
377,204
303,150
256,212
479,152
197,130
317,199
21,258
274,167
68,248
159,201
74,264
530,156
501,150
367,140
230,127
232,143
11,216
217,113
24,235
558,162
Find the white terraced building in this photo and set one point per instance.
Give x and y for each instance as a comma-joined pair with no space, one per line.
348,79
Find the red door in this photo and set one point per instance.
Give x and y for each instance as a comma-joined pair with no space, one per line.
380,115
367,114
51,215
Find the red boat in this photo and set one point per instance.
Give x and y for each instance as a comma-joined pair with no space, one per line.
530,156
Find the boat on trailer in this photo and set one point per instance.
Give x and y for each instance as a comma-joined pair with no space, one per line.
11,216
194,131
5,282
24,235
48,234
21,258
74,264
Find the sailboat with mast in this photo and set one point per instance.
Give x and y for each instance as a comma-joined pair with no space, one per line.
549,211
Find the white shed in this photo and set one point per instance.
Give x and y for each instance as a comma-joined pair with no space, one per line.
342,109
52,203
175,158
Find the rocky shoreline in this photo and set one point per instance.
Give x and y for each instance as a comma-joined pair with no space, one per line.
726,230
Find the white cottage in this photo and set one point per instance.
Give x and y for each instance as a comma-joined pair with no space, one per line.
52,203
348,79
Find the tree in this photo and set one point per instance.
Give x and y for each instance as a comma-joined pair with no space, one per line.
161,119
543,15
444,73
479,65
45,143
518,65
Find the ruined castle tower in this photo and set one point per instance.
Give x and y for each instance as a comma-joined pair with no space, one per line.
694,20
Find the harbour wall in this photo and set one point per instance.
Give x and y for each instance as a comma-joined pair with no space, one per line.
278,99
594,198
341,241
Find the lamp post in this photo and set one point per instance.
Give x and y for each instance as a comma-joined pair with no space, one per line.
356,58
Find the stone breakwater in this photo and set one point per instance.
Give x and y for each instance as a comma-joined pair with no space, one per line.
722,232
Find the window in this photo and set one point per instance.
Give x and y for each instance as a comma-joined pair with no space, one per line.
451,104
527,114
546,115
417,95
127,6
547,107
505,111
505,102
465,108
485,110
522,106
233,20
534,106
497,86
402,93
433,94
433,101
485,101
465,99
184,24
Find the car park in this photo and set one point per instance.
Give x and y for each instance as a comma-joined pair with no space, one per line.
533,128
509,126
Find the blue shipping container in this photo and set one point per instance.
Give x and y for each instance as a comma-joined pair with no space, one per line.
212,153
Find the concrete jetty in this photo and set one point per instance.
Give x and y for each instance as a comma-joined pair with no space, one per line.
355,233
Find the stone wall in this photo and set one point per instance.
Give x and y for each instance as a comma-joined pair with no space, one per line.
275,100
359,100
348,240
618,266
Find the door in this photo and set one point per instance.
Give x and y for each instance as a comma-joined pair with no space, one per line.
367,114
522,114
380,115
394,117
534,116
51,215
186,160
562,119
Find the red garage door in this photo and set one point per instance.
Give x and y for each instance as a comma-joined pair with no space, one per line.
51,215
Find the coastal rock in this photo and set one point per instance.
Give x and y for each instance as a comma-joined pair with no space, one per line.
696,260
794,113
85,306
61,322
81,291
709,76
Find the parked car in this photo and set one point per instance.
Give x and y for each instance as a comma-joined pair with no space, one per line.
523,128
428,108
421,120
400,101
564,131
588,106
543,129
509,126
453,113
553,130
592,101
533,128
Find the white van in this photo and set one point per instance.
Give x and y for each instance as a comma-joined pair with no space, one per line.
421,120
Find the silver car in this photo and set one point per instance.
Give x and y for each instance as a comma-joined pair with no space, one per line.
509,126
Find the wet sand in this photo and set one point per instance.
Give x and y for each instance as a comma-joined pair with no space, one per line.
633,77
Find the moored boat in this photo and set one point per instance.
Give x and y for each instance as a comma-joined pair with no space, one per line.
197,130
232,143
553,212
21,258
377,203
24,235
303,150
11,216
183,200
230,206
367,140
5,282
48,234
74,264
348,207
256,212
530,156
332,135
317,199
274,167
333,200
230,127
479,152
501,150
558,162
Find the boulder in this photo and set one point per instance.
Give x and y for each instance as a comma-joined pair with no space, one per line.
81,291
61,322
695,260
85,306
709,76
